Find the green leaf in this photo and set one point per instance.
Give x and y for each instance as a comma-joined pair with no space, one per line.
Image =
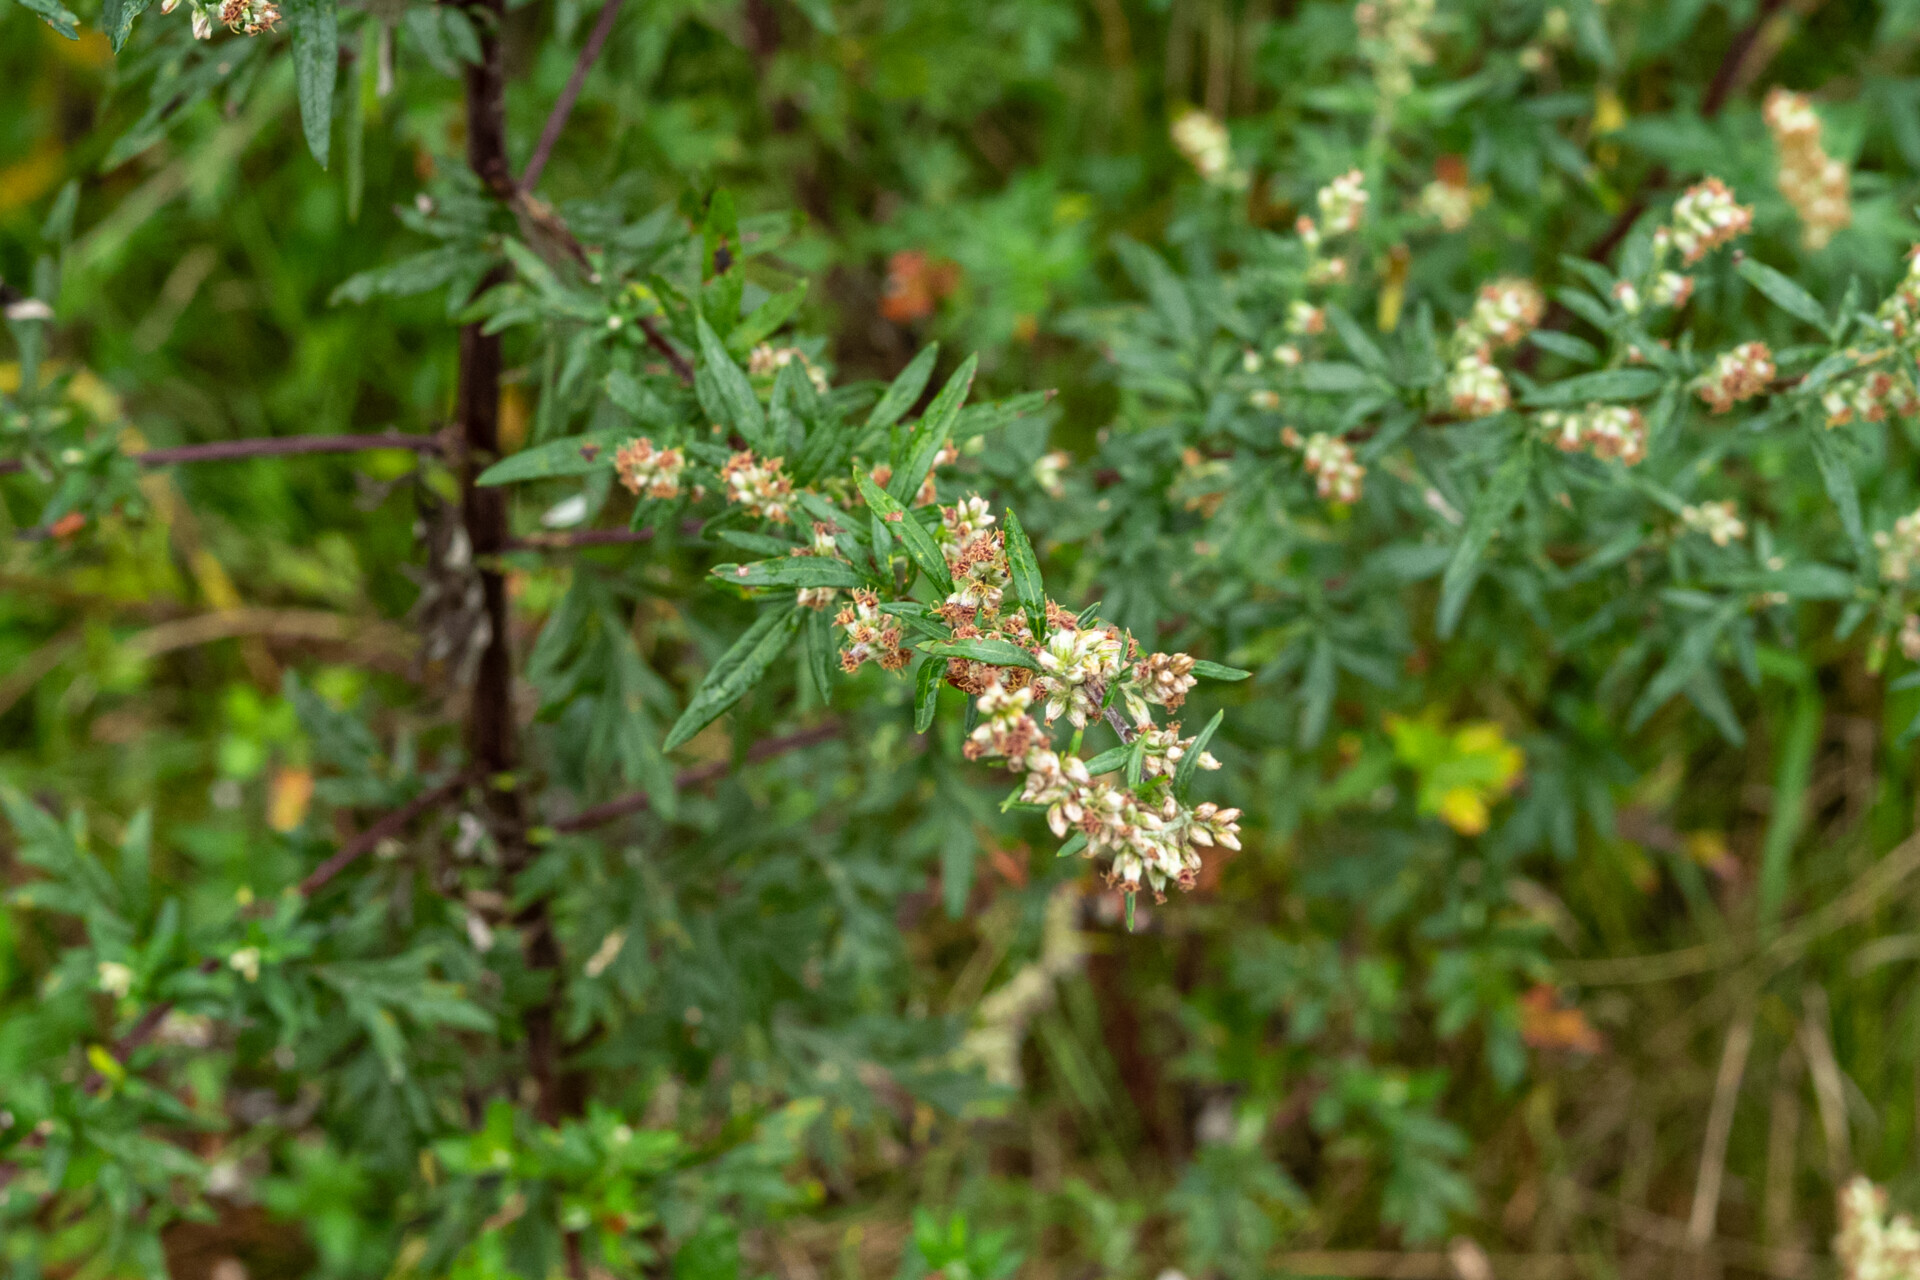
739,669
1688,660
905,391
1078,840
316,64
1494,504
1334,377
410,275
1356,341
1784,293
1109,760
1189,765
1136,759
1837,475
930,436
1025,571
766,317
730,382
1608,384
1214,671
999,653
1566,345
572,456
56,16
926,693
894,519
793,571
116,19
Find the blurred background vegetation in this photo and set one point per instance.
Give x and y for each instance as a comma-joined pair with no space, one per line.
1554,1030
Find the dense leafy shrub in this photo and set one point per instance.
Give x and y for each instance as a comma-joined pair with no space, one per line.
540,708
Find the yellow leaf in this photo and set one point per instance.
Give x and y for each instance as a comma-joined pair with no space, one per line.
288,797
1462,809
105,1063
1609,113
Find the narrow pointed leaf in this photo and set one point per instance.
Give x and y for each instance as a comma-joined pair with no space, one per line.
791,571
905,391
999,653
930,436
316,64
731,386
1025,570
739,669
897,521
1190,763
926,693
1495,502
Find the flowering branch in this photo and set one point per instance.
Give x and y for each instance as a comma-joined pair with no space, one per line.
895,561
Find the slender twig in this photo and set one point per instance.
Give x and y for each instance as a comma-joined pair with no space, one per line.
563,105
766,749
1727,75
1713,1152
386,828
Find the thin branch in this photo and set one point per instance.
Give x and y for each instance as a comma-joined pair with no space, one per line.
766,749
1728,75
391,825
563,106
1713,1151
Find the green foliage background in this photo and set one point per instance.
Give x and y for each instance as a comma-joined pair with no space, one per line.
1368,1032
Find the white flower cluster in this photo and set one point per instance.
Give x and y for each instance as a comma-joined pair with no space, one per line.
1393,38
1604,430
872,634
1869,396
1303,320
1736,375
1871,1246
975,555
1705,217
1813,182
766,360
1148,844
1206,146
1331,461
1671,289
649,471
1048,471
1900,549
1475,386
242,17
1076,666
757,485
1506,311
1448,203
1720,521
1343,202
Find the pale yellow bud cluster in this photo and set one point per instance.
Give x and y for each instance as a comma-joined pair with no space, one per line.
1719,521
1813,182
1900,548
